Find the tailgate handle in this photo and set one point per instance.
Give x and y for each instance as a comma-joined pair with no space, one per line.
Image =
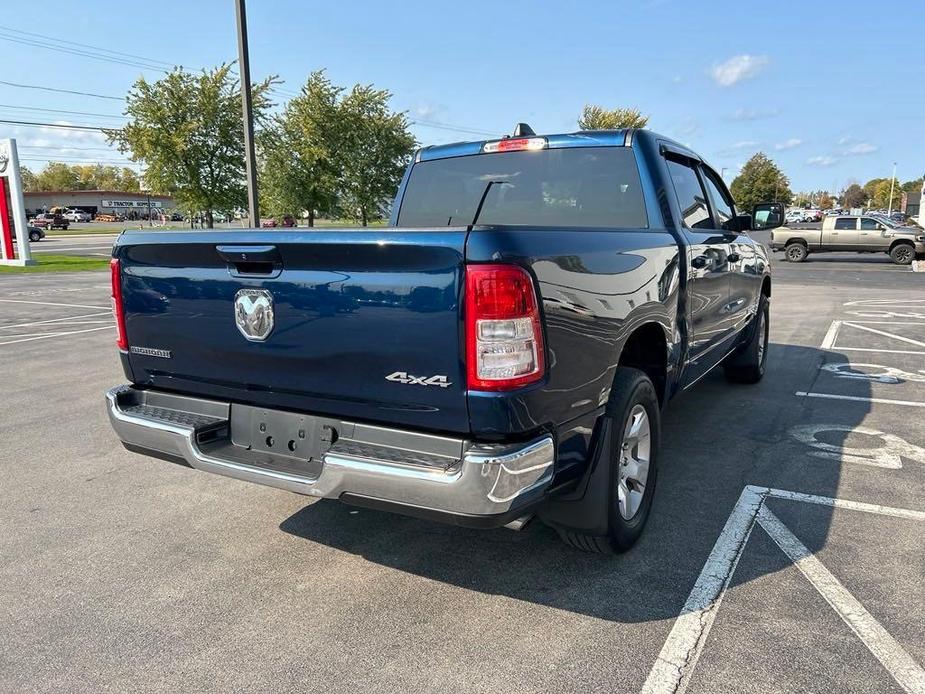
252,260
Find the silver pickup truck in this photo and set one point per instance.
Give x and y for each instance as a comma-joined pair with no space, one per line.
854,234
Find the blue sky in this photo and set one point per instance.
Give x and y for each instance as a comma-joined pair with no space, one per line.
836,96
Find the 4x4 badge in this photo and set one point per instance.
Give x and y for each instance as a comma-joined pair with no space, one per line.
409,380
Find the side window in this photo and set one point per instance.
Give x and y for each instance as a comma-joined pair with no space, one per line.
846,223
869,224
691,197
722,203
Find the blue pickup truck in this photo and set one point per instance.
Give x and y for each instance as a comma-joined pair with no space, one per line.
502,350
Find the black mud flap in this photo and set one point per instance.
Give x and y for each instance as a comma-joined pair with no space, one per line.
586,509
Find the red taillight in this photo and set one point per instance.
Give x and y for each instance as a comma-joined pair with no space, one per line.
117,311
504,338
515,144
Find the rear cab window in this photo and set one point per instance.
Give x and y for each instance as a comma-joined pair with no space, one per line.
597,187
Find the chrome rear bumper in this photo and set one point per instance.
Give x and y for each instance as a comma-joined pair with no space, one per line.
415,473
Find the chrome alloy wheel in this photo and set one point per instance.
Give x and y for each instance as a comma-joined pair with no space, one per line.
634,462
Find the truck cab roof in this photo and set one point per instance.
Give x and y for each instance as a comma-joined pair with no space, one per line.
583,138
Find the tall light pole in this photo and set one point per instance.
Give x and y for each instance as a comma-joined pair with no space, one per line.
722,173
892,183
250,159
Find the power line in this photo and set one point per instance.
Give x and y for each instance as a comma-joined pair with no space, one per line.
58,110
452,128
61,91
85,54
70,147
58,39
85,160
63,126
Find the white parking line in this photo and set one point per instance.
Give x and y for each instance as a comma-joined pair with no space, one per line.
678,658
885,648
830,336
886,401
75,319
875,331
46,336
48,303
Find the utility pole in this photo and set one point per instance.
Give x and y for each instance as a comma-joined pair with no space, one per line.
892,183
250,159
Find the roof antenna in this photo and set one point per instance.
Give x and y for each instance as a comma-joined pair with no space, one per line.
523,130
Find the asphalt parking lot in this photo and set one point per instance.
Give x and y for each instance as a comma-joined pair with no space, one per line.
786,550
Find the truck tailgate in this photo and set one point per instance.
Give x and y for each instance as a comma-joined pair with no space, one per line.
365,323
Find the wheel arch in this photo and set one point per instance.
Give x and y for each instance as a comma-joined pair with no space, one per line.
647,349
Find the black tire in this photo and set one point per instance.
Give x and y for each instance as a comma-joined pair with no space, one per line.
631,388
746,364
902,254
35,236
795,252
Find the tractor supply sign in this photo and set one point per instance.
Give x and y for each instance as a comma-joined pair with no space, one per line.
122,204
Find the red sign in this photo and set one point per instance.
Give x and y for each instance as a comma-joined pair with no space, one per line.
6,229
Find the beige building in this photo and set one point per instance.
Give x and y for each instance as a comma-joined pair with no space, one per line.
95,201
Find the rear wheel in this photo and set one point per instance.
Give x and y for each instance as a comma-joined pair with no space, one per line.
796,252
633,412
902,254
35,236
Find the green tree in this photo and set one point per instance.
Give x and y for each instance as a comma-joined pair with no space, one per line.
760,181
58,176
300,153
870,189
599,118
375,148
854,196
28,178
881,196
188,130
913,186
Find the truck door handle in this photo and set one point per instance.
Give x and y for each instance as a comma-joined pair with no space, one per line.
733,257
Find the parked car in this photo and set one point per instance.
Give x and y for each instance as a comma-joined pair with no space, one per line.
865,234
497,352
109,217
794,216
35,233
285,221
47,220
77,216
898,217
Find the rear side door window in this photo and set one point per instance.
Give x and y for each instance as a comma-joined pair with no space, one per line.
692,199
846,223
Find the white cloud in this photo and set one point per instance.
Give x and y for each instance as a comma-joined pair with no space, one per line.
788,144
743,144
860,148
747,114
737,69
677,79
822,160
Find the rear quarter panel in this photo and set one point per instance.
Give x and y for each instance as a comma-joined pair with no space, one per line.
596,287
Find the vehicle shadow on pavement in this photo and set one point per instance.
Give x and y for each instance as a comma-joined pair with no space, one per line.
717,438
